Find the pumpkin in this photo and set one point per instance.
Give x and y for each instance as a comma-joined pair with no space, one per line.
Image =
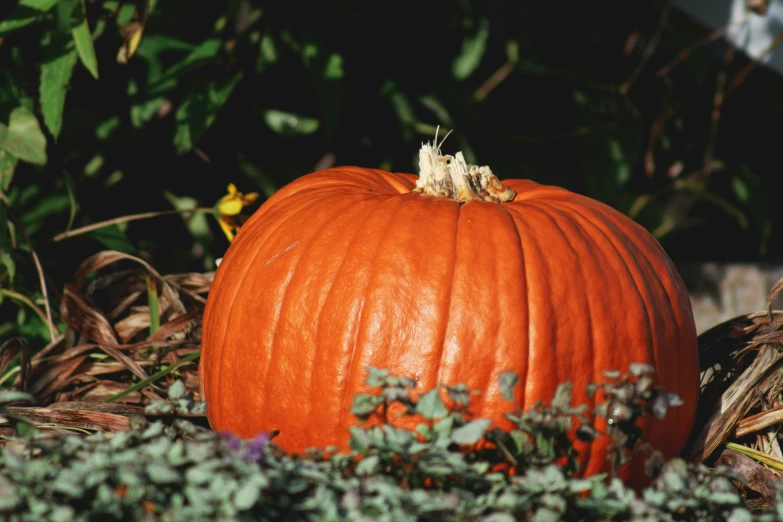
451,277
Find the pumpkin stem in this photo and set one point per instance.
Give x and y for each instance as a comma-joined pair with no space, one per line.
452,177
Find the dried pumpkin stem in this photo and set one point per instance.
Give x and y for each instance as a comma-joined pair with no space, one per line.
452,177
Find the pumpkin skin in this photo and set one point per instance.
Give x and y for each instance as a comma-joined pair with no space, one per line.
347,267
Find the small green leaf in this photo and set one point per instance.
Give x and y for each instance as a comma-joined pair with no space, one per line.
199,109
23,137
7,166
471,432
55,76
25,12
177,391
160,473
113,238
430,405
154,307
5,233
247,496
473,47
73,205
507,382
9,495
83,40
9,396
288,124
563,396
368,465
39,5
8,262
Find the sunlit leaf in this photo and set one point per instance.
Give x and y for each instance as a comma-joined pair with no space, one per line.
473,47
25,13
55,76
199,108
7,165
23,137
83,40
73,205
113,238
289,124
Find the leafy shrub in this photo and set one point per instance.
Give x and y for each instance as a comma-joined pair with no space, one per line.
178,471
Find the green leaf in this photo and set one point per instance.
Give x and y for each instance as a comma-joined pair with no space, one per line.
25,13
471,432
507,382
8,262
199,108
55,76
247,496
7,166
368,465
431,406
39,5
9,396
326,73
70,14
113,238
5,234
83,40
204,53
177,391
160,473
23,137
473,47
197,223
252,171
749,189
288,124
70,187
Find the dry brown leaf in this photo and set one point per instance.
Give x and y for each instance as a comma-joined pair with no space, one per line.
84,319
756,477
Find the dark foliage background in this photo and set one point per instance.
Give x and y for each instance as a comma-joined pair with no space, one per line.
608,99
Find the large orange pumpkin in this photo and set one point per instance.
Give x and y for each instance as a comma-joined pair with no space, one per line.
452,278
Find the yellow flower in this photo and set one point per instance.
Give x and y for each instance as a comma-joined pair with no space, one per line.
229,208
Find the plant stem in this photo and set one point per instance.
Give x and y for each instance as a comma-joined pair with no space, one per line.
126,219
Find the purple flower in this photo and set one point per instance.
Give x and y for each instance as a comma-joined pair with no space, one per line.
256,448
233,443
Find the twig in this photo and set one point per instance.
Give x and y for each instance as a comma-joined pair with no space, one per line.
717,105
649,49
493,81
53,331
125,219
666,69
752,65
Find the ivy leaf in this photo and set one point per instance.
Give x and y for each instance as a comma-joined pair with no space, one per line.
368,465
199,109
430,405
55,75
23,137
471,432
177,391
247,496
507,382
